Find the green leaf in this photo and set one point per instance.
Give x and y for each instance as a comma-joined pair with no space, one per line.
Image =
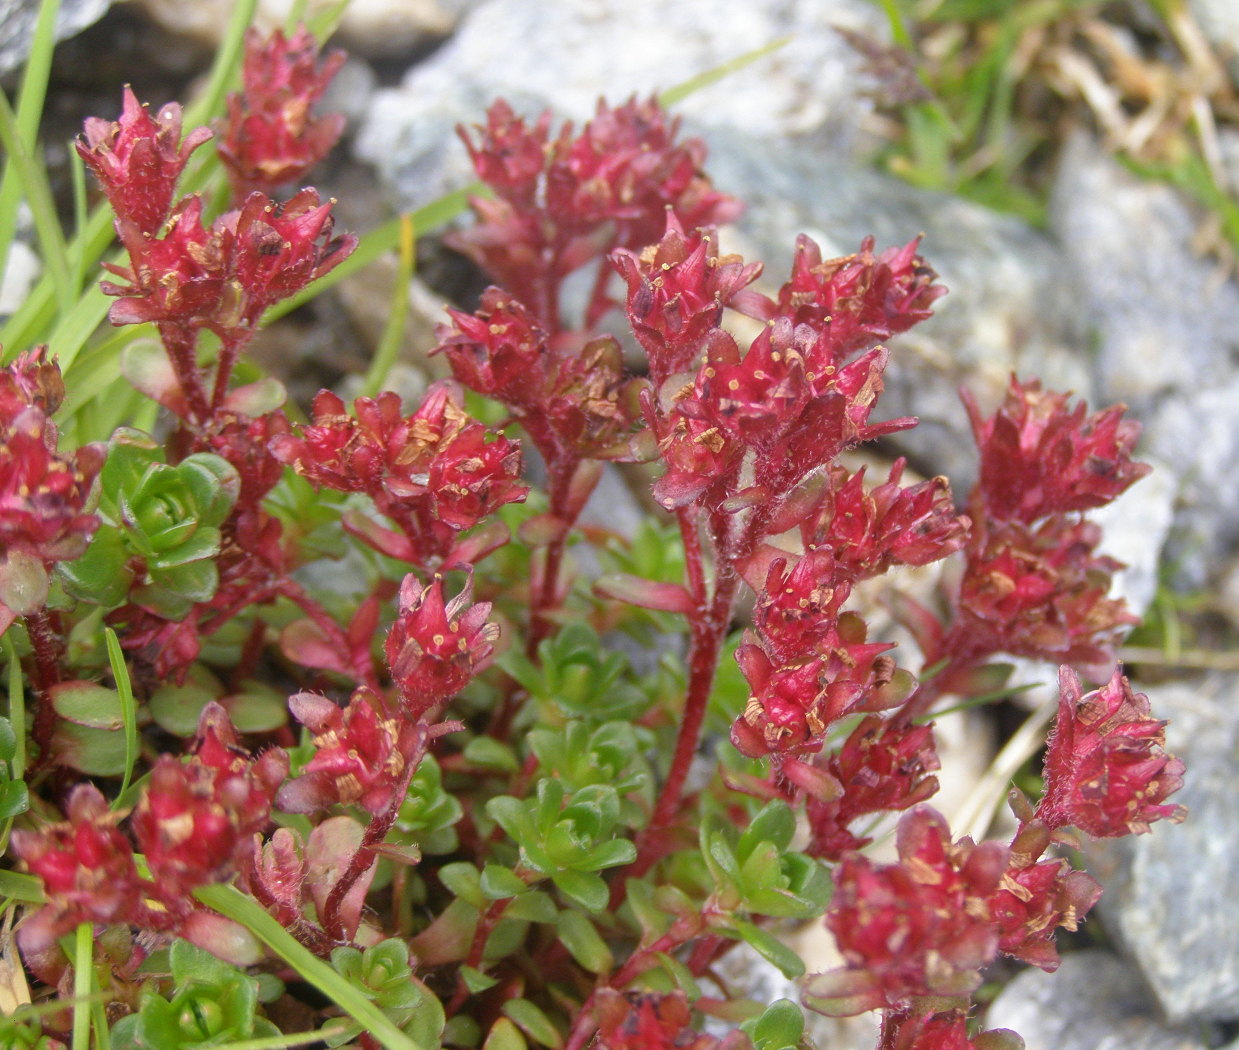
95,752
477,981
532,906
770,948
498,882
612,854
583,888
779,1027
462,880
533,1022
504,1035
582,939
774,823
488,753
14,798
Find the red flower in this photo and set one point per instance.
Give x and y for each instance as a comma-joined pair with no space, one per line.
677,290
44,493
138,160
1039,458
435,649
1041,592
856,301
361,753
271,136
509,155
919,927
275,250
882,766
85,863
196,821
1106,769
869,530
648,1021
434,473
914,1029
176,278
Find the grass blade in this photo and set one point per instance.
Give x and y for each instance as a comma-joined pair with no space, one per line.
83,977
233,904
31,96
692,85
393,331
32,178
128,707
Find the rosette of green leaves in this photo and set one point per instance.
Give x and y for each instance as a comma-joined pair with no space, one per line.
755,873
25,1033
582,755
577,676
161,528
428,814
212,1004
567,839
383,975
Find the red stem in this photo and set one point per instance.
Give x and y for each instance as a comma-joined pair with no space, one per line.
181,346
48,649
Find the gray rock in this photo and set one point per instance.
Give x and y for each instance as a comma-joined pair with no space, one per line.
565,55
1198,432
1170,895
21,270
1136,527
18,18
1094,1001
1164,324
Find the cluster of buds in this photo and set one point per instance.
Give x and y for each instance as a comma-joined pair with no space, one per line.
920,929
436,648
362,753
564,203
1034,583
572,402
195,824
435,473
271,137
808,664
1106,769
44,493
796,398
185,274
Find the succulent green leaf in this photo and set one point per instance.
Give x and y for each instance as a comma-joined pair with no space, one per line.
582,939
770,948
533,1022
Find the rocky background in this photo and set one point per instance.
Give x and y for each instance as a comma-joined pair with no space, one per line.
1119,297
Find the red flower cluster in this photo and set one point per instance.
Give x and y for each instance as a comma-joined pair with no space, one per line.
572,402
138,160
1106,769
919,927
806,663
564,203
434,473
869,530
794,398
940,1030
43,492
435,649
225,276
652,1021
361,753
1039,458
271,136
883,766
857,300
195,823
